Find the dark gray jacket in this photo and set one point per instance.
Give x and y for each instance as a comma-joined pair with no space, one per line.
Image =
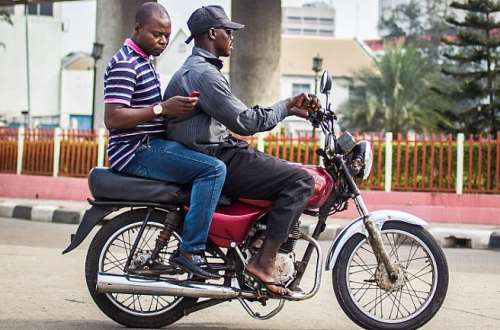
218,109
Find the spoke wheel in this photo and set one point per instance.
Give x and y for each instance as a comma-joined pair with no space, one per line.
114,257
108,253
371,299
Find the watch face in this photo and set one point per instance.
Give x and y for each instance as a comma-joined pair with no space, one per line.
157,109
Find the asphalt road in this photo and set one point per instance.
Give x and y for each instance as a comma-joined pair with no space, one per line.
41,289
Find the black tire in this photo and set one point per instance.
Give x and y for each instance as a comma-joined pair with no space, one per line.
426,311
104,303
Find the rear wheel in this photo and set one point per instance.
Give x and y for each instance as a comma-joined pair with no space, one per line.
108,253
371,300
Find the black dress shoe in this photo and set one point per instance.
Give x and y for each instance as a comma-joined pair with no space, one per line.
197,265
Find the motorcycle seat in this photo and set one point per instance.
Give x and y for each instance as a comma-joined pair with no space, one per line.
106,184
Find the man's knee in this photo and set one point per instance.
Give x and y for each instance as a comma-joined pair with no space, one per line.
305,182
218,168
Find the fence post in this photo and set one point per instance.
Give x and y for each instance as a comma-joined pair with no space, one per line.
388,161
460,164
20,150
57,150
260,142
100,147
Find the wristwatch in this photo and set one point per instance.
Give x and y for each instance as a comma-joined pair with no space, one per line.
158,109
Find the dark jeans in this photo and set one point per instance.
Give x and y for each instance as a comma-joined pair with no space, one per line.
170,161
255,175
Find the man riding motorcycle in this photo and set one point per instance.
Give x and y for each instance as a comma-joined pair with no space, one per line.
250,173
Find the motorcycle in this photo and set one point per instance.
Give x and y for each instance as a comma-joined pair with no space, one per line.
387,271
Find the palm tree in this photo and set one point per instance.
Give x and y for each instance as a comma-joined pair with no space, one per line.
396,96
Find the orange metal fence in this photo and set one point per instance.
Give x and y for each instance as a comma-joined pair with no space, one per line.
38,152
8,150
78,152
300,148
482,164
421,162
424,163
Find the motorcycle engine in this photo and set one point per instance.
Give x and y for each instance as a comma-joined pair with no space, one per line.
285,267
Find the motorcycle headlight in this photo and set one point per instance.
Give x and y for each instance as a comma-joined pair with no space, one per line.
362,159
368,159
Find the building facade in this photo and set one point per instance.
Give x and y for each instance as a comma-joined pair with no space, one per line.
313,19
61,76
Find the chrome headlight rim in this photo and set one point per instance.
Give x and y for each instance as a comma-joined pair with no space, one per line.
368,159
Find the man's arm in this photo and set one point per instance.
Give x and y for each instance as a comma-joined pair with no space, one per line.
218,101
118,90
118,115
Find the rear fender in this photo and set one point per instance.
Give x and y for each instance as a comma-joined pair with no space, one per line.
357,227
90,219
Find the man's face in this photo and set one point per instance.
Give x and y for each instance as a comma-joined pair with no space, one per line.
154,35
223,41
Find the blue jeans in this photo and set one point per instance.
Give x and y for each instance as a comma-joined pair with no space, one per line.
170,161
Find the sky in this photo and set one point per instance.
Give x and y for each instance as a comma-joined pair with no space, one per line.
353,18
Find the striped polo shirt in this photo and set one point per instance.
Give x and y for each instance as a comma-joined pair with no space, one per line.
131,79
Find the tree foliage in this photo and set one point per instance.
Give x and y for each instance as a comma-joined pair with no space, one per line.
471,60
397,96
420,23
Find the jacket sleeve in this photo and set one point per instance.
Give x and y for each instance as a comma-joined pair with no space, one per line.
218,101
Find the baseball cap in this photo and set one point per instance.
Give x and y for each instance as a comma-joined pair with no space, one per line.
206,17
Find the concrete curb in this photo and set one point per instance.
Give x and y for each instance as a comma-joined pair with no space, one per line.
447,236
41,213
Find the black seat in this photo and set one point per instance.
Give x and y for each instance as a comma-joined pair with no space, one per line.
106,184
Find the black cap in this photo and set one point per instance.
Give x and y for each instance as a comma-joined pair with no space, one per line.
207,17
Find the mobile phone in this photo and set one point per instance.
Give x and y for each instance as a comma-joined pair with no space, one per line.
195,94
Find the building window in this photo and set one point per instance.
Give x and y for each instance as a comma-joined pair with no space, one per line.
310,32
326,21
300,88
293,31
293,19
310,19
41,9
328,33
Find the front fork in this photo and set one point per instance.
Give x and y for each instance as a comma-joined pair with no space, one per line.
375,239
374,234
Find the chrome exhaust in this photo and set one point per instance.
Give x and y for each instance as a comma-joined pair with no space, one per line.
112,283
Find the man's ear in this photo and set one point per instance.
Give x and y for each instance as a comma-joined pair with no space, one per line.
137,27
211,34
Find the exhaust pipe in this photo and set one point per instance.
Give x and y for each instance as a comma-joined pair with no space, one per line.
111,283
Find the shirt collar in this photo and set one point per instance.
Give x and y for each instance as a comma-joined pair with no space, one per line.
136,48
211,58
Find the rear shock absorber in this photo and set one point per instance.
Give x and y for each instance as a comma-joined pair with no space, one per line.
293,236
172,221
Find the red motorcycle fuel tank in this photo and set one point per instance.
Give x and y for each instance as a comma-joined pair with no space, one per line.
231,223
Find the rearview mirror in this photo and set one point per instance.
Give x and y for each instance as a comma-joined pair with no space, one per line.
325,85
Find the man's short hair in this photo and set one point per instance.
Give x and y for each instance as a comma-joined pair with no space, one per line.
147,10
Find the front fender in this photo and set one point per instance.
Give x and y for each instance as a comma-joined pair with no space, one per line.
357,227
90,219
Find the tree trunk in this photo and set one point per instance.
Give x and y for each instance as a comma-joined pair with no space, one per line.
255,71
115,20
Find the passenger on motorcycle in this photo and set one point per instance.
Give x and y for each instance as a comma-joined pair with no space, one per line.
134,116
250,173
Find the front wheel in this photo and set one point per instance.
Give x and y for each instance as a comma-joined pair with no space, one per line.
367,295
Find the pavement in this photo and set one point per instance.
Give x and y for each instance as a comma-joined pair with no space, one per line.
70,212
44,290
